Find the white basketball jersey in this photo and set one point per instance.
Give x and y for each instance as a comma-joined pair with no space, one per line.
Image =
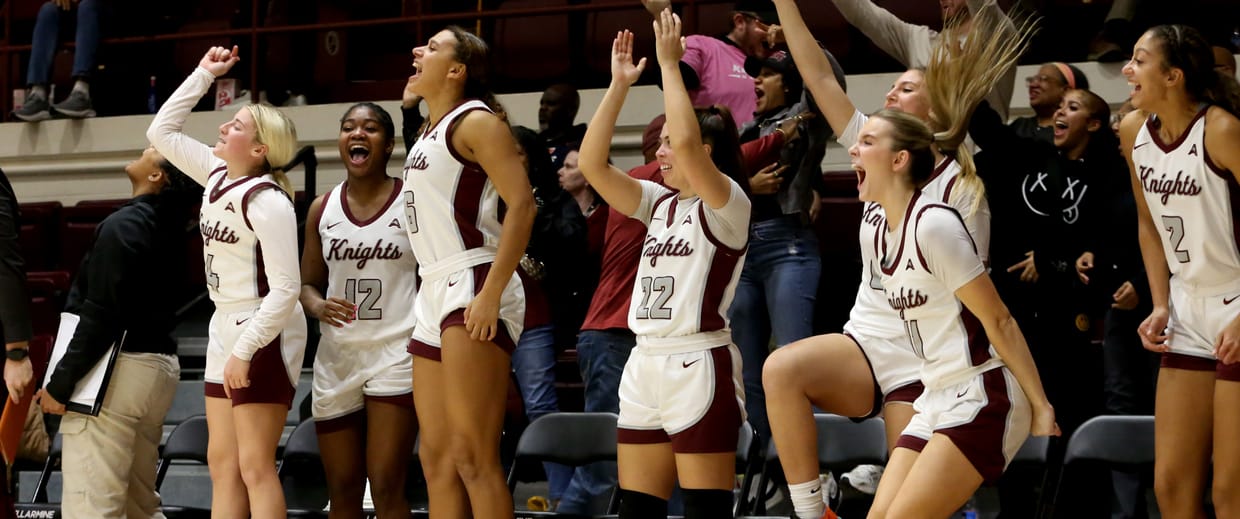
232,255
369,263
687,275
871,315
924,262
1193,205
451,207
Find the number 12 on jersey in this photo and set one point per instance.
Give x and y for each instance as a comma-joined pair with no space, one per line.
664,286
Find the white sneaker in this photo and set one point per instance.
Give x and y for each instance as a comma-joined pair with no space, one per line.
864,478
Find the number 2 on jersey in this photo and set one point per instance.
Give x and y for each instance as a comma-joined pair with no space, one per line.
1175,226
372,288
665,286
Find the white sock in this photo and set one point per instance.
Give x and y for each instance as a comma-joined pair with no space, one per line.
38,90
81,86
807,499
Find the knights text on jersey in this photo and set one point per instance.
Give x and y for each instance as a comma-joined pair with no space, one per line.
232,255
370,264
451,207
689,266
1193,204
924,261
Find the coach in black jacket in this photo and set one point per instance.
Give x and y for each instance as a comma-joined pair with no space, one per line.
14,315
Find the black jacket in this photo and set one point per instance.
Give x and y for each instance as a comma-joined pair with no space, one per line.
14,301
122,287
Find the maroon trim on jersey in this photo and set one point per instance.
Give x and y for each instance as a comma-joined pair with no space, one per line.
269,383
1153,124
947,191
466,206
429,128
912,443
421,349
981,439
1233,198
903,232
216,191
917,243
318,220
642,436
722,266
447,135
261,286
979,343
348,212
245,200
352,421
401,400
906,394
719,427
671,208
217,170
710,236
938,170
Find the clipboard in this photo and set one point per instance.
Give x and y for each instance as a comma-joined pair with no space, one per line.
88,395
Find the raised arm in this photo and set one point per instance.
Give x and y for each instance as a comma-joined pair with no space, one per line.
700,172
815,68
895,36
487,140
1156,269
165,133
620,191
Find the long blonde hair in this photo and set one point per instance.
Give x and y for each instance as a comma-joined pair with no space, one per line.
275,130
963,69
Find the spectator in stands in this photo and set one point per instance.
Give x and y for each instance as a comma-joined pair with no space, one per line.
911,44
258,332
14,317
779,282
77,104
1114,41
1225,60
714,66
120,295
1046,90
557,109
362,399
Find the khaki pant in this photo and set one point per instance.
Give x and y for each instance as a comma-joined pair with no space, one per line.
109,460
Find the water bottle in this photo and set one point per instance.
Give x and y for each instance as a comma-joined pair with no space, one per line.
970,509
152,104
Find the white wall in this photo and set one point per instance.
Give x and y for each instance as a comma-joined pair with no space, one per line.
70,160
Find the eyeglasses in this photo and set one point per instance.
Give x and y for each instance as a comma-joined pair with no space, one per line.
1043,79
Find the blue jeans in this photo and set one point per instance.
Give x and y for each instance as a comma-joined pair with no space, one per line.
534,364
47,34
776,295
601,355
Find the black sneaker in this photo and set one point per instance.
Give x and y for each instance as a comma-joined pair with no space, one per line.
77,106
35,109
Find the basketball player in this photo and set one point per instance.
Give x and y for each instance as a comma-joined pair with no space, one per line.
681,395
1181,145
869,368
258,333
359,280
979,404
470,307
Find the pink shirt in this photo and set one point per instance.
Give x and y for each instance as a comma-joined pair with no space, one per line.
720,67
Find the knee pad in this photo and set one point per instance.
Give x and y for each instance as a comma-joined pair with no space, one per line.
708,503
639,505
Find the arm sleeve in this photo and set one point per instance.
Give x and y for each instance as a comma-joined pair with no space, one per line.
730,224
651,193
852,132
977,223
1000,97
411,121
762,151
907,43
271,216
693,61
947,247
987,130
14,302
191,156
117,252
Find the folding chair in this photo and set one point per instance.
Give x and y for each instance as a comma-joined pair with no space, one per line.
572,439
53,460
188,442
1114,441
748,464
842,444
301,473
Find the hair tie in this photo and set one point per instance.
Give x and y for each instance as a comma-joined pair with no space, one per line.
1068,76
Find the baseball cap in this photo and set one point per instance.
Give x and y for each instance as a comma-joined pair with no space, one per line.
763,10
781,61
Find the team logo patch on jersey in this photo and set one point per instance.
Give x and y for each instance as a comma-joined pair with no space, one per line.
1193,150
909,265
434,136
688,220
230,208
394,223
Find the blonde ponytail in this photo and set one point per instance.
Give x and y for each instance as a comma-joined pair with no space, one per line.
275,130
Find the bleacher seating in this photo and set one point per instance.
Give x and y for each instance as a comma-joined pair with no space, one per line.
40,228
